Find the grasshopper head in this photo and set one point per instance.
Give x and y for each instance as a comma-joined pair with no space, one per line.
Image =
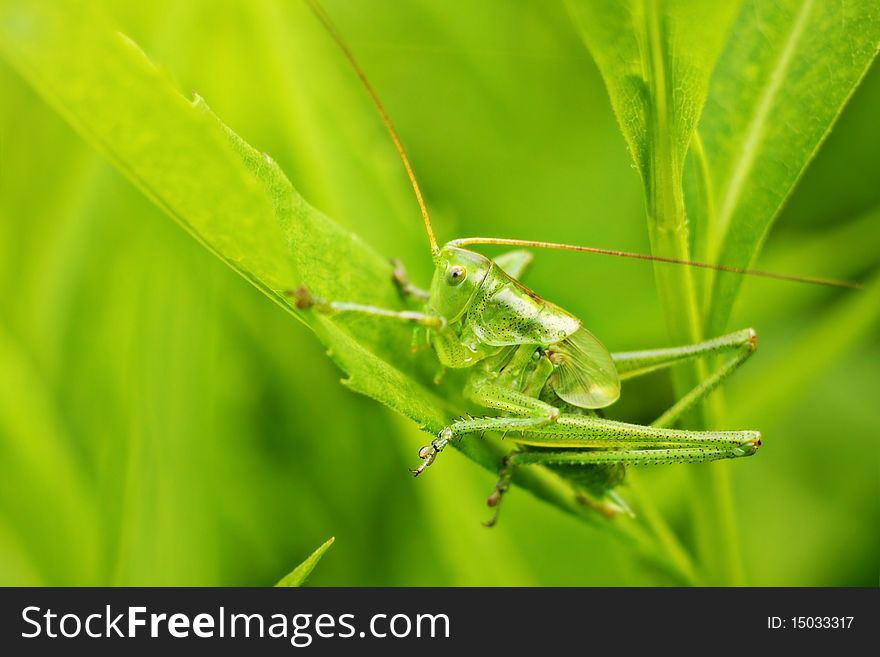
458,274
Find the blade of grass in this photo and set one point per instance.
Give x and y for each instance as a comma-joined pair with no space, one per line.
298,575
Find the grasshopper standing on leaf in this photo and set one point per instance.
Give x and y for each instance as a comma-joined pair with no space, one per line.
537,364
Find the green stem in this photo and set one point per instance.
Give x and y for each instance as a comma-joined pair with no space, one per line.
705,237
676,553
712,508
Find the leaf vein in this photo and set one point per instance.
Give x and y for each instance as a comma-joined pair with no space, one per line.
757,127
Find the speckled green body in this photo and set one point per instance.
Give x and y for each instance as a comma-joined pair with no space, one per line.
546,375
488,309
491,317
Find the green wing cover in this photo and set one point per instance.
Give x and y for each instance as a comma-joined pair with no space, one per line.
584,373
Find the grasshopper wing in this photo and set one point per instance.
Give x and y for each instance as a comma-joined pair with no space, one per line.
585,375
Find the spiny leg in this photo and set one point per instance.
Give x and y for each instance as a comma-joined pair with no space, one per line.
589,440
404,285
585,440
661,456
305,300
505,476
633,444
533,414
595,433
598,442
742,344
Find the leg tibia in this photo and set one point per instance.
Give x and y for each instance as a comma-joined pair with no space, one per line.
579,431
537,414
305,300
662,456
635,363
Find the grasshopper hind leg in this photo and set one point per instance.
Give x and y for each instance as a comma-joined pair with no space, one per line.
595,485
505,476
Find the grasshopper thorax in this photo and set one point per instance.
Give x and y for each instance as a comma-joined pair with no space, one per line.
458,275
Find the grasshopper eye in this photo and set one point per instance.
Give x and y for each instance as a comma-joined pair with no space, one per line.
456,274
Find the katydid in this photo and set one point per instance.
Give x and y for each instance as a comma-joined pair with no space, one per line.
540,367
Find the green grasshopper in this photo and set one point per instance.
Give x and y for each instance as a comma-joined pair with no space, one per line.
539,366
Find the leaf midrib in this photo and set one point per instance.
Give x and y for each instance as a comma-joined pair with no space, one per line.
757,126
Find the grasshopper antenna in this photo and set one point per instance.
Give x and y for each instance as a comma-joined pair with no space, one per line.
337,37
813,280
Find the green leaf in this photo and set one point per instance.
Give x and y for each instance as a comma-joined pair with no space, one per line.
240,205
232,198
298,575
786,73
656,58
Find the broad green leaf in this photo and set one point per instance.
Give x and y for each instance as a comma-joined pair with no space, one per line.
233,199
783,78
298,575
240,205
656,57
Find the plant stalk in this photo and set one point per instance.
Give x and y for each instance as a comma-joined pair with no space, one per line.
712,510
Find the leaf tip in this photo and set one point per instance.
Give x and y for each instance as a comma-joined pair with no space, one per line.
299,574
130,43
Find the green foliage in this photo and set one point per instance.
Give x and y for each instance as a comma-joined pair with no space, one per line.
656,58
168,416
230,197
783,78
775,91
298,575
234,200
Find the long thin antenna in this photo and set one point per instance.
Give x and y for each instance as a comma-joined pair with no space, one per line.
331,29
674,261
337,37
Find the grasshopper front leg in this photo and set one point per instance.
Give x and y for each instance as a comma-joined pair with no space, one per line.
305,300
532,412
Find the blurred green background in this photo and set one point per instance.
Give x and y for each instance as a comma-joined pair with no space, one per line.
161,422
